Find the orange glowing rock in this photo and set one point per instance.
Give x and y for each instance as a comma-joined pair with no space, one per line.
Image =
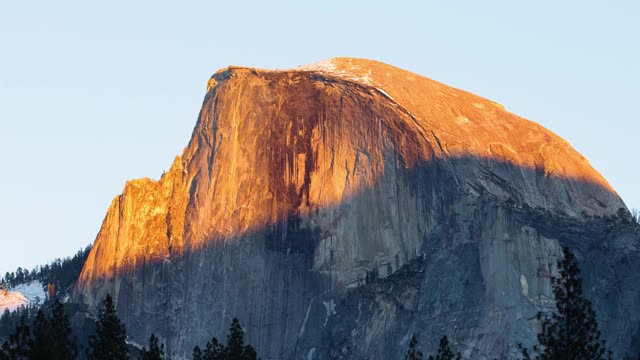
11,300
269,144
366,157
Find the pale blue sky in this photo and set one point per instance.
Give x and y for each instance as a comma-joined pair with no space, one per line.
95,93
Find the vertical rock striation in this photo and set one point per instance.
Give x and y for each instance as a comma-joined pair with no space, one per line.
339,207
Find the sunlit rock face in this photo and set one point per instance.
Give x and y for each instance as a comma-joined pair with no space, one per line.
297,186
21,295
11,300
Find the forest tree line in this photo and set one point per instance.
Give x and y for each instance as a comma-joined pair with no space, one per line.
571,331
45,333
63,273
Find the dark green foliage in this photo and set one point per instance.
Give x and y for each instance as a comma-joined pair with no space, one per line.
4,352
235,340
10,319
444,352
17,347
197,353
372,276
50,339
235,343
40,345
413,353
62,344
155,352
214,350
635,345
234,350
625,216
109,343
249,353
571,332
62,272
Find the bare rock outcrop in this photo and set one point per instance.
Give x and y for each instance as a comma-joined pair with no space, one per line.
339,207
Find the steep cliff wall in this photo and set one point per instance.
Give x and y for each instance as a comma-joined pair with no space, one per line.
298,183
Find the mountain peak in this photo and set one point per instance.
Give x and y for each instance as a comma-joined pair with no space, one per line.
449,122
297,185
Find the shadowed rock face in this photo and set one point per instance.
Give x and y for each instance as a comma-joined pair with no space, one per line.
296,184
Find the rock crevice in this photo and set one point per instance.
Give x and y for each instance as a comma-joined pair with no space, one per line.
312,186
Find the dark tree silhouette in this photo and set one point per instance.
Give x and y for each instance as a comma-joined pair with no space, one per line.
109,342
155,352
11,319
197,353
63,345
40,345
51,337
444,352
635,346
17,347
4,352
214,350
571,332
412,352
61,274
235,343
234,350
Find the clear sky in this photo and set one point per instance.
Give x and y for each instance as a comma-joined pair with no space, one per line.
95,93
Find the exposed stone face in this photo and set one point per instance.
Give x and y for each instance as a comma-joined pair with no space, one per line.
12,300
298,183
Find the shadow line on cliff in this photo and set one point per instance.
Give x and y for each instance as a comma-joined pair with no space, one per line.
439,182
300,256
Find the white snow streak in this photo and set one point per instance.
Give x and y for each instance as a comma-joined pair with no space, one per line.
21,295
331,309
330,68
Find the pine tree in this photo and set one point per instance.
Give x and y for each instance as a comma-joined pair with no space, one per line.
109,342
63,345
197,353
235,340
236,350
444,352
40,345
17,347
413,353
214,350
4,352
571,332
249,353
155,352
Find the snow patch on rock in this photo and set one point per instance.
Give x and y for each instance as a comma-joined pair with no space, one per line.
329,66
524,284
385,94
21,295
12,300
330,306
33,291
311,354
